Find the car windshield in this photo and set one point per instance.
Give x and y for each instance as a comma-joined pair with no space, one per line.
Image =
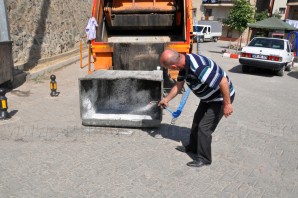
197,28
267,43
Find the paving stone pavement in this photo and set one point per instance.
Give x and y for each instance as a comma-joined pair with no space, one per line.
46,152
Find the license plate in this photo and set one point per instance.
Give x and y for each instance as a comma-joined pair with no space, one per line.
259,56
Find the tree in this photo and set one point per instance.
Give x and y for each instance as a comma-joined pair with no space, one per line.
240,15
276,14
261,15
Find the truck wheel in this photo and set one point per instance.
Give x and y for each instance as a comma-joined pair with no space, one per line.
215,39
201,40
281,72
245,69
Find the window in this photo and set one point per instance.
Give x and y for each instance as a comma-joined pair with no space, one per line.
229,34
282,10
208,12
197,28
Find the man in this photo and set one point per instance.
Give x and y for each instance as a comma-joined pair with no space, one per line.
215,90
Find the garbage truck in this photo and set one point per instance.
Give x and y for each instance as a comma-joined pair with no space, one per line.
125,82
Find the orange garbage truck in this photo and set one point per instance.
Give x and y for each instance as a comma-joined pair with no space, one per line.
124,81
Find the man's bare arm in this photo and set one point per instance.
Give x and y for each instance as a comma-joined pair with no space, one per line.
173,93
225,91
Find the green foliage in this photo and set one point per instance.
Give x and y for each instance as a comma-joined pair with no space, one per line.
240,15
261,15
276,14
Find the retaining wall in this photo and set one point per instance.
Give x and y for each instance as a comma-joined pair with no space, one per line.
44,28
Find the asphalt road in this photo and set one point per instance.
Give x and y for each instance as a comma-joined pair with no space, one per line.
46,152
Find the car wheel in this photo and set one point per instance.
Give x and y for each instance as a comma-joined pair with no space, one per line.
195,39
281,72
245,69
289,65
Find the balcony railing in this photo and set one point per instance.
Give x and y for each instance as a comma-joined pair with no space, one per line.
218,1
292,1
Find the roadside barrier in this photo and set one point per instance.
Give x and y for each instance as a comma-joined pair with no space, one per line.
3,105
229,55
53,86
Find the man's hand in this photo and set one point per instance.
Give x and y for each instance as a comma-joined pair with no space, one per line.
173,93
228,110
163,103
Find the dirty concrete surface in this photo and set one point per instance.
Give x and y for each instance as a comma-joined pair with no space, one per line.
46,152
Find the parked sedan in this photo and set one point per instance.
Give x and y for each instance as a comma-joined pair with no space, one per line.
267,53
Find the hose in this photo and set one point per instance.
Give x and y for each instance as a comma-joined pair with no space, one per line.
178,112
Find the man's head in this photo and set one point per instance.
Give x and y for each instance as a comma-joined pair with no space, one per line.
171,59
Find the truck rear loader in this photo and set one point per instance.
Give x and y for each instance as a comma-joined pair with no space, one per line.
123,85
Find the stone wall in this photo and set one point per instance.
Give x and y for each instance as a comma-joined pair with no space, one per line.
44,28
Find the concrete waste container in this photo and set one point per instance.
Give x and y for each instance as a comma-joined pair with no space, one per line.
6,62
120,98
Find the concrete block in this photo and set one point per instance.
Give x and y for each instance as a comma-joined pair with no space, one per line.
121,98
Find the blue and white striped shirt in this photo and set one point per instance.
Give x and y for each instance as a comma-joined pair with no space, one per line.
203,76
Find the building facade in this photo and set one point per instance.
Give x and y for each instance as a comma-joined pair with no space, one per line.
279,7
292,10
219,10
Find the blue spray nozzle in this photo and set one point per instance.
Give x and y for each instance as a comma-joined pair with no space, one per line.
176,114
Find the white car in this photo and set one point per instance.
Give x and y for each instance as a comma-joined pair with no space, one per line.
268,53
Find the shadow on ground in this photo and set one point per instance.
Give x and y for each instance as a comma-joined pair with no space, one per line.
253,71
13,113
215,52
293,74
172,132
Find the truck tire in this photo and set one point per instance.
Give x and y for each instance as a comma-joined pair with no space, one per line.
201,40
215,39
281,72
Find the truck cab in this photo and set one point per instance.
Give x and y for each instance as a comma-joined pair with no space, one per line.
202,32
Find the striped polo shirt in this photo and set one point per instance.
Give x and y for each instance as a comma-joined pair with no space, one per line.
203,76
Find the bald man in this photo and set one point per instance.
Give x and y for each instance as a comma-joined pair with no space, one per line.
215,90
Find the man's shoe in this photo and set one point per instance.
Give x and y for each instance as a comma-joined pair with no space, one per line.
184,149
181,149
197,163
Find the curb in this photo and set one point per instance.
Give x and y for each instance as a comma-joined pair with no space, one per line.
229,55
50,68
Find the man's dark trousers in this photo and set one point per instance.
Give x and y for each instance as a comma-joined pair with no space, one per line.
204,124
